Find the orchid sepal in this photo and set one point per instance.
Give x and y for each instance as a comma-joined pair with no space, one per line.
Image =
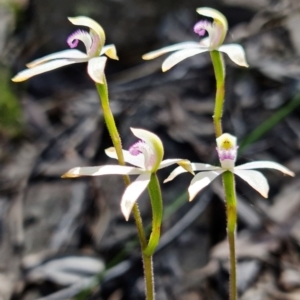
132,192
96,67
236,53
110,51
255,179
179,56
167,49
219,20
101,170
201,180
65,54
264,164
42,68
137,160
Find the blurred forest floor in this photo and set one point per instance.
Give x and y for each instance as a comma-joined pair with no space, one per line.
58,236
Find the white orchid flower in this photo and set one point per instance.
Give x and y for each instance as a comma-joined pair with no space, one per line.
216,30
227,152
146,156
94,45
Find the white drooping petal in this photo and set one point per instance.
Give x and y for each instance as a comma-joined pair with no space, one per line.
204,167
255,179
168,162
265,165
201,180
184,163
48,66
177,171
137,160
195,167
179,56
72,54
102,170
176,47
236,53
205,42
96,67
110,51
132,192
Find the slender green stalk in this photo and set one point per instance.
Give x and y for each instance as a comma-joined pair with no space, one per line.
219,68
228,177
116,140
149,279
110,123
157,214
231,208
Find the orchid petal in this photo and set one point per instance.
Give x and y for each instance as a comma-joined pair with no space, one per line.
179,56
183,163
51,65
110,51
101,170
205,42
214,14
255,179
204,167
236,53
195,167
137,160
168,162
201,180
154,142
177,171
176,47
187,165
88,22
265,165
72,54
132,192
96,67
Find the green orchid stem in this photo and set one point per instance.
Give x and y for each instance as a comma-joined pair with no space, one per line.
219,68
116,140
228,177
149,278
157,214
231,207
110,123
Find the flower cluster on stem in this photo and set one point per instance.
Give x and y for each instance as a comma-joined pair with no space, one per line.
227,153
146,156
94,46
216,30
